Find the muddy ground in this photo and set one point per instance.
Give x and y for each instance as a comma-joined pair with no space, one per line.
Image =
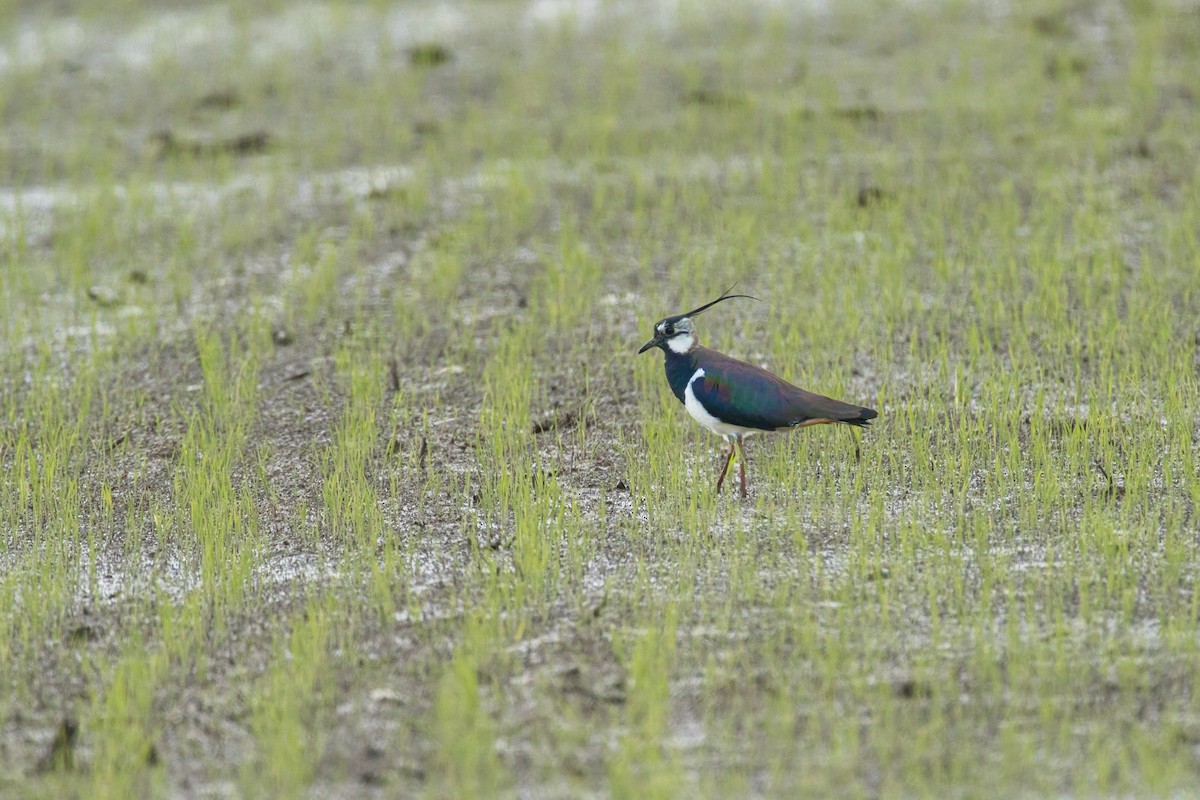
425,242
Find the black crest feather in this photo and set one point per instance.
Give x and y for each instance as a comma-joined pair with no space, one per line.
725,295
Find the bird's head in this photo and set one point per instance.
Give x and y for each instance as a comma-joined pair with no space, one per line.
677,333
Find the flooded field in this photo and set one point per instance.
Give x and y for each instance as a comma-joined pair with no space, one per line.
328,466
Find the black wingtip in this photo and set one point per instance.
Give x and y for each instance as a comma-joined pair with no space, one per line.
865,415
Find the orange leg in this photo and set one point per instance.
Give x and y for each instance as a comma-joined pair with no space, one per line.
725,468
854,436
742,464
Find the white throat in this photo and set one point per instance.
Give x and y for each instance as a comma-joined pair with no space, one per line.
681,343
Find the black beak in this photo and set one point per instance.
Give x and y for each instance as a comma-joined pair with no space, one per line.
655,342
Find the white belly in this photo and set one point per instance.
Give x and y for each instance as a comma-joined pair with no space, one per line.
706,419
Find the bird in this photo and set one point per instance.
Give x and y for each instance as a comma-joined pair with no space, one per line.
734,399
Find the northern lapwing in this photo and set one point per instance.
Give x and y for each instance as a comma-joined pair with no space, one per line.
734,399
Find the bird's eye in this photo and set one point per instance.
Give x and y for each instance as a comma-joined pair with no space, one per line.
670,330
